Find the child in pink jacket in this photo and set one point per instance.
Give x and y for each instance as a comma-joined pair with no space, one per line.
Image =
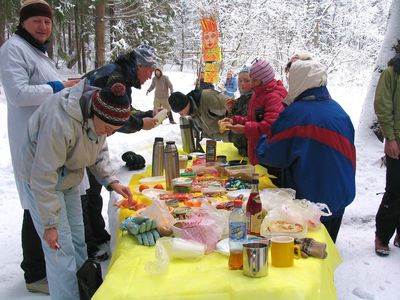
264,107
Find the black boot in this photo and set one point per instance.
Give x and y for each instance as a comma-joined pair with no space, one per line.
171,118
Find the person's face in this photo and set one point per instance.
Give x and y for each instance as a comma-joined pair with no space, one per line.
256,82
103,128
229,75
245,82
210,39
39,27
157,73
144,73
185,111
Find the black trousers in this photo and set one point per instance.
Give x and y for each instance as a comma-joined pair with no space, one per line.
388,216
33,262
92,204
332,224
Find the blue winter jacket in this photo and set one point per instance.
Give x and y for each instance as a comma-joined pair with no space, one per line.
313,141
231,86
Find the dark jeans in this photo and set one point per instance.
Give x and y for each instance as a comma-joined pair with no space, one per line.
33,262
332,224
92,204
388,216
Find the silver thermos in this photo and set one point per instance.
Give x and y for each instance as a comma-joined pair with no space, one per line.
157,166
186,126
171,161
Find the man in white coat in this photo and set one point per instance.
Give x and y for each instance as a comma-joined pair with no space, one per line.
28,76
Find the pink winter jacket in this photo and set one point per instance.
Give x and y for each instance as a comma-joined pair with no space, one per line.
264,108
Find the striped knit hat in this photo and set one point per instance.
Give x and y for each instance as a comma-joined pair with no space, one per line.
112,105
262,70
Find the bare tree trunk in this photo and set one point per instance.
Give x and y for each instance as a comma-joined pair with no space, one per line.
387,51
82,11
2,28
183,43
100,33
78,39
70,42
111,13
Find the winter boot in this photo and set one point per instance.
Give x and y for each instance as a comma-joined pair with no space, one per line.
40,286
381,249
171,118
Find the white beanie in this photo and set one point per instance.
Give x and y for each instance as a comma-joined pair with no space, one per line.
304,75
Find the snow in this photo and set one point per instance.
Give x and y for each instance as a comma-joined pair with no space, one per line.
362,275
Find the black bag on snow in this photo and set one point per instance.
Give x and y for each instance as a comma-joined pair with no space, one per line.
89,279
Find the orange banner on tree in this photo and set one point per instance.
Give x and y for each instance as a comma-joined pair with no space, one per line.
211,50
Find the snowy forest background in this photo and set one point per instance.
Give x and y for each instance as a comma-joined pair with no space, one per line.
342,34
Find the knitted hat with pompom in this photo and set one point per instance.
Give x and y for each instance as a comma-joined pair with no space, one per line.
112,105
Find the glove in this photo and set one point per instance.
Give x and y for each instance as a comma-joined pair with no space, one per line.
133,161
142,228
310,247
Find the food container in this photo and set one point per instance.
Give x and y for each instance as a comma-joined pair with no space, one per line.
181,213
244,172
183,160
213,191
273,227
182,185
212,168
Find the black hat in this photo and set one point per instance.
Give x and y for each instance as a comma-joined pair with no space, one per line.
178,101
112,105
32,8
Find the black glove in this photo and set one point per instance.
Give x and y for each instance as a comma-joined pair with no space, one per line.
133,161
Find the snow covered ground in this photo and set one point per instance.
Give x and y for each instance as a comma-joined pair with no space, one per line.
362,275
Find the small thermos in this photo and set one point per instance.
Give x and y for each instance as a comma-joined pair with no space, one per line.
186,126
171,162
157,167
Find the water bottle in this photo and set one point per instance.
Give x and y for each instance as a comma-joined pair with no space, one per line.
171,162
157,167
237,235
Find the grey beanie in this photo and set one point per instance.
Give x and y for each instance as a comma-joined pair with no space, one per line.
146,56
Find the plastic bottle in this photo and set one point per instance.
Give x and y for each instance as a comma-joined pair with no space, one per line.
237,236
157,167
254,209
171,161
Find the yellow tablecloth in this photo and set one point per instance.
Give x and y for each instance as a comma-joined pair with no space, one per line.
210,278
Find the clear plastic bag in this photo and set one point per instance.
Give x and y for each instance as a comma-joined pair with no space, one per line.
273,197
206,225
168,248
313,212
159,212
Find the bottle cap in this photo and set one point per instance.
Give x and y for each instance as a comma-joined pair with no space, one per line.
237,203
170,142
158,139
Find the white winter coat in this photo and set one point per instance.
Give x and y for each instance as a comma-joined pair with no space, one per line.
24,71
59,146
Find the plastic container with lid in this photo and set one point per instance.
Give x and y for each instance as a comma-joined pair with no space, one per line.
244,172
182,185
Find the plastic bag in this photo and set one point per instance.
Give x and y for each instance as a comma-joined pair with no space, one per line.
289,218
168,248
205,225
313,212
159,212
273,197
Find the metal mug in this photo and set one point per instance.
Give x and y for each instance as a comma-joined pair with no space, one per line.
255,259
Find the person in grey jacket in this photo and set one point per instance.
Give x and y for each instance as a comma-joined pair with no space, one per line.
28,76
206,107
163,88
66,134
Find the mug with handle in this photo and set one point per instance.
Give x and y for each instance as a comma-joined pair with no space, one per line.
282,251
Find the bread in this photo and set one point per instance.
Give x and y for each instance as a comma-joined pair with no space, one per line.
222,126
282,226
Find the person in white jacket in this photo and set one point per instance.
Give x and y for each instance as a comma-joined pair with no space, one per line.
66,134
28,75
